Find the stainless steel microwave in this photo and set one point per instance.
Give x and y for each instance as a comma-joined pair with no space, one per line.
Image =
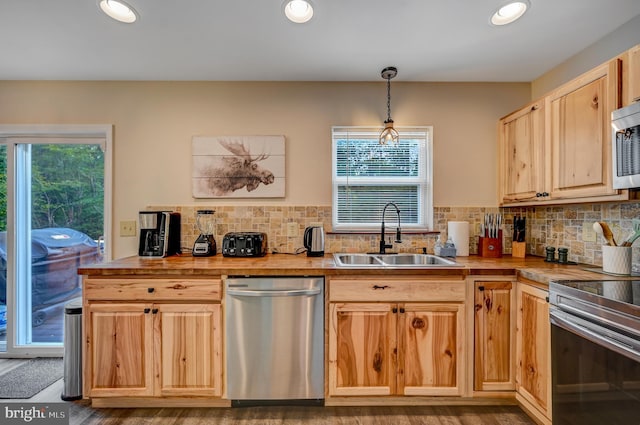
625,123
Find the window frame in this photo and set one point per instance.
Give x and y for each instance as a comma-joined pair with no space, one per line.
424,181
10,135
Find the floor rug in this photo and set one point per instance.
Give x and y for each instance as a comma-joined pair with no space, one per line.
28,379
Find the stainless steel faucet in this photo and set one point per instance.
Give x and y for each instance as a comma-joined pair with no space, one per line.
383,245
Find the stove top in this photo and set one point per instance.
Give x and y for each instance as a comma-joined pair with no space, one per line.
614,300
625,291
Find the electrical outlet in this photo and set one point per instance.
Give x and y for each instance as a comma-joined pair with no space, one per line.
128,228
292,229
588,234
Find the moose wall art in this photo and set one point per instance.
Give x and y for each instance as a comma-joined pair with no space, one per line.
238,167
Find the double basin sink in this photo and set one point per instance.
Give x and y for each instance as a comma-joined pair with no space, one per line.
393,260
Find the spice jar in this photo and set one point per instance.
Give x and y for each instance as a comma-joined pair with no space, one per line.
562,255
551,254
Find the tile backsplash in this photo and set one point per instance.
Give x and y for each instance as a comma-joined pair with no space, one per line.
558,226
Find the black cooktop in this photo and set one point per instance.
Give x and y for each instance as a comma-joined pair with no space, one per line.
625,291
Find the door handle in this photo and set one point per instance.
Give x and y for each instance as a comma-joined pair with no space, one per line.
273,293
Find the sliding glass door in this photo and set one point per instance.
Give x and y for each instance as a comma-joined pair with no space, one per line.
54,222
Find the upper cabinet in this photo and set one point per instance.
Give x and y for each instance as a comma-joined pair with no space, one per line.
521,141
634,74
579,133
558,149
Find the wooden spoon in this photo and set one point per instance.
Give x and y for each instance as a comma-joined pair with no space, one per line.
607,233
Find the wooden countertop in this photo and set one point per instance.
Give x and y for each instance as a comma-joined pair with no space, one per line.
531,268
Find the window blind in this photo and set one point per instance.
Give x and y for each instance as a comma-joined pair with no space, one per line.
367,175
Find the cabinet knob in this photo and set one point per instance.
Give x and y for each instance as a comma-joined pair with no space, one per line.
150,290
380,287
480,288
401,309
394,309
147,310
154,311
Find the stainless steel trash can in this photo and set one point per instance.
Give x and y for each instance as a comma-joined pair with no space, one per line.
72,378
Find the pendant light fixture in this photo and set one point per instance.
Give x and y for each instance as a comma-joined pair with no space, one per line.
389,134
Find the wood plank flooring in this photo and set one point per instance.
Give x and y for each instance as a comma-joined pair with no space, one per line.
81,413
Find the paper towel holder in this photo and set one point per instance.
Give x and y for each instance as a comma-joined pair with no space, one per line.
458,231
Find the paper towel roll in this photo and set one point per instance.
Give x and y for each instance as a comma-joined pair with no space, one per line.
459,234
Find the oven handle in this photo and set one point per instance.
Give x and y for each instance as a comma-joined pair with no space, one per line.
273,293
594,333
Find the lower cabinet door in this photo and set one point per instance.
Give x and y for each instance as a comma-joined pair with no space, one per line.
362,341
494,330
533,367
120,349
189,349
431,360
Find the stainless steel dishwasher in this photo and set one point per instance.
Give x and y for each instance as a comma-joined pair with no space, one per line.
275,340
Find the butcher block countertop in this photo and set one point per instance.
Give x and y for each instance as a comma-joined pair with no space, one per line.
534,269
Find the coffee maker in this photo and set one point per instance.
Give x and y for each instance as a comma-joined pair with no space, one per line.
159,234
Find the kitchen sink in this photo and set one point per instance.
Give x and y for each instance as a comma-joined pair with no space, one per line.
392,260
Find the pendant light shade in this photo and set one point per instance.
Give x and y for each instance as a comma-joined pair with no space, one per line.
389,134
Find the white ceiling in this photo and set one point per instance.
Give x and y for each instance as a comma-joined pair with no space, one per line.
347,40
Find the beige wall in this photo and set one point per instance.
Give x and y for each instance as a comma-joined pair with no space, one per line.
155,121
610,46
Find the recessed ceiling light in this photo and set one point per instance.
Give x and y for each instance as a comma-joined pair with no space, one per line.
298,11
118,10
509,12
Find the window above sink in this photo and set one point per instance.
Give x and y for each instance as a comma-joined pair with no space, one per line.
367,175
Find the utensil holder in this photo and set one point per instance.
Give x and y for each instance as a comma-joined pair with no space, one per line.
616,259
490,247
518,249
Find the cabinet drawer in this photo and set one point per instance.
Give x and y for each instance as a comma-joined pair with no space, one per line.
132,289
400,289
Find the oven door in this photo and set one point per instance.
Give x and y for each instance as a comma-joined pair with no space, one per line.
595,373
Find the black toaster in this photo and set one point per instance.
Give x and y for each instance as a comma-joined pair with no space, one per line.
244,244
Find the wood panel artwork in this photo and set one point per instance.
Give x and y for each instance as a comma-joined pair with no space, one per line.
238,166
364,339
493,335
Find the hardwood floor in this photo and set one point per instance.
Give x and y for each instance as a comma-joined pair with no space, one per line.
81,413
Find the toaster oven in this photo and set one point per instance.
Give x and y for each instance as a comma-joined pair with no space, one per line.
244,244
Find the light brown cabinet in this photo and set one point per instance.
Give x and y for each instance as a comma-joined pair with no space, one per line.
152,338
521,159
579,126
558,149
533,348
494,339
634,74
396,337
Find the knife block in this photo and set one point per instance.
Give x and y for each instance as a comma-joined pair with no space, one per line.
518,249
490,247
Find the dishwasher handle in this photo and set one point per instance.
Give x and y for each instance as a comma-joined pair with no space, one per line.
273,293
